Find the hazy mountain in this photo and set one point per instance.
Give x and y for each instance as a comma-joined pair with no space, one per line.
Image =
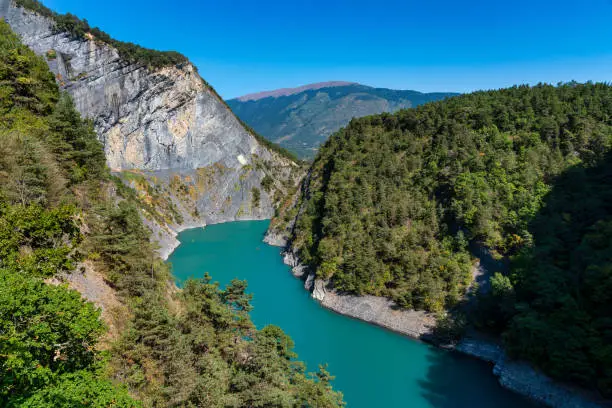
302,118
292,91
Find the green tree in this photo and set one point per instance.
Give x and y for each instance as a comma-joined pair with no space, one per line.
46,331
80,389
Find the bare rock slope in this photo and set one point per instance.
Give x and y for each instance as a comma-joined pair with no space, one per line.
167,126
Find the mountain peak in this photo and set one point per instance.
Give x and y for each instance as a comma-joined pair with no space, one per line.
291,91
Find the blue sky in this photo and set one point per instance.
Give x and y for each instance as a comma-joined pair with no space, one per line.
245,46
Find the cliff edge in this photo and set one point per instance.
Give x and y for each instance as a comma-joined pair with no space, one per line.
165,131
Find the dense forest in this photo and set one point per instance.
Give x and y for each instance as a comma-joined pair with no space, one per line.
394,201
61,212
562,317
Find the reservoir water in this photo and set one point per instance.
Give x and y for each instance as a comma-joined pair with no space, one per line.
373,367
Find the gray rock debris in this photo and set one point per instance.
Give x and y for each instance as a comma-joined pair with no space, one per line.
523,379
372,309
4,8
376,310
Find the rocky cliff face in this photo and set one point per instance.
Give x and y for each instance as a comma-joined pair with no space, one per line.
165,125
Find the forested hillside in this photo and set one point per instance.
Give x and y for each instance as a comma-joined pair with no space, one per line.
394,200
60,212
301,121
562,295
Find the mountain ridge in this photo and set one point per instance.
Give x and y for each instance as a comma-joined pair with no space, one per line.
275,93
303,119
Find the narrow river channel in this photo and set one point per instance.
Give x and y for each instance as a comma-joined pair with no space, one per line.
373,367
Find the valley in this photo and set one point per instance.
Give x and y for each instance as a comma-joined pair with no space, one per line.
302,119
303,247
372,366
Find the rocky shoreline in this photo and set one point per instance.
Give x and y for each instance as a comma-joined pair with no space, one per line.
524,379
516,376
372,309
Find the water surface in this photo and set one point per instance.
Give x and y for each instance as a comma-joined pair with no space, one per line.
373,367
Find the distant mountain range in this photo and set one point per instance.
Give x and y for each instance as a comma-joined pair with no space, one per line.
302,118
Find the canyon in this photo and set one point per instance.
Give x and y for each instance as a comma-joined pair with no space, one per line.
165,131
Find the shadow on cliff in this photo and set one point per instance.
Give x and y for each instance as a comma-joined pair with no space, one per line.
457,381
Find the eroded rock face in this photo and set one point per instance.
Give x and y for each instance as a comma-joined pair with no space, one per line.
147,119
167,125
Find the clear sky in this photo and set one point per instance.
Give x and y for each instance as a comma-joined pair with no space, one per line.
245,46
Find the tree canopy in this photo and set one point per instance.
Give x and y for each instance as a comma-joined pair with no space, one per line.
394,199
562,318
61,210
394,203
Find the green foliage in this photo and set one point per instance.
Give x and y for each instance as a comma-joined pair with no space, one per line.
48,334
51,55
46,331
211,355
36,241
501,286
25,81
80,389
497,305
58,206
389,195
236,297
41,129
121,243
256,196
26,178
78,28
74,143
563,315
266,183
450,329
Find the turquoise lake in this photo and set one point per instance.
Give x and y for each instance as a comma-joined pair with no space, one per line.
373,367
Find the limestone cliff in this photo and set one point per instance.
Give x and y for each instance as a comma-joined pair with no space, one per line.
167,126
